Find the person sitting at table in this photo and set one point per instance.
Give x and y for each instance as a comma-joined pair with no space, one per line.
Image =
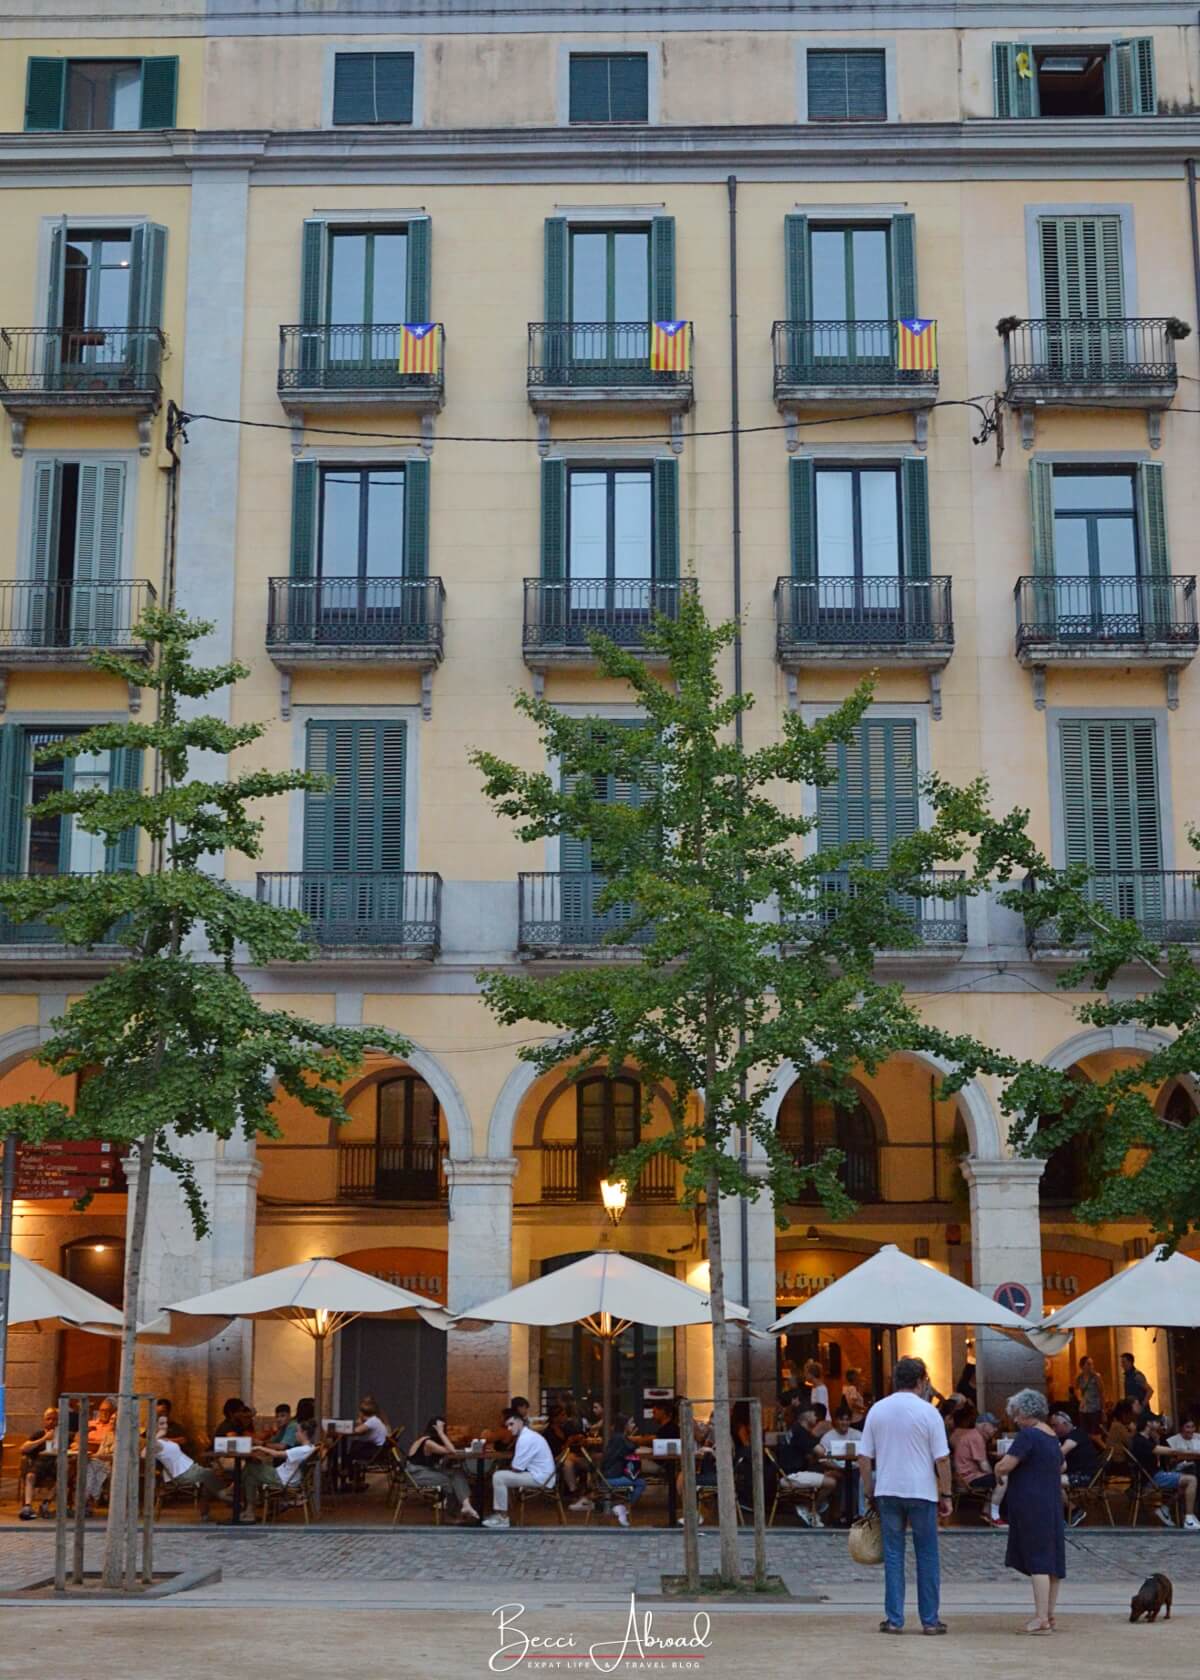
971,1467
165,1426
1080,1458
368,1403
285,1432
306,1412
532,1467
1145,1447
562,1428
853,1402
366,1440
950,1408
837,1445
622,1468
236,1419
743,1461
272,1468
795,1455
821,1423
1183,1441
520,1405
433,1462
1120,1428
181,1471
102,1439
39,1463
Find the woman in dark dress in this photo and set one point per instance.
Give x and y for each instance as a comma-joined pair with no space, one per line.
1036,1532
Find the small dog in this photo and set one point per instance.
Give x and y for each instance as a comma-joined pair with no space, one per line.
1154,1594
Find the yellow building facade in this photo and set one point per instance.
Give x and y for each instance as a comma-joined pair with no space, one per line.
395,530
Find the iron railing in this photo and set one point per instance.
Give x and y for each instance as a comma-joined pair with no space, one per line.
13,932
356,357
590,354
1165,904
374,612
62,615
356,909
391,1172
571,1173
1099,612
846,353
936,920
1091,350
562,615
81,363
559,912
871,612
859,1172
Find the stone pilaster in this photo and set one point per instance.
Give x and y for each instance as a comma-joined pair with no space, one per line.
1006,1247
479,1267
759,1299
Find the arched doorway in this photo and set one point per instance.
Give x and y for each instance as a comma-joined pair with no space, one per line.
808,1127
89,1364
571,1361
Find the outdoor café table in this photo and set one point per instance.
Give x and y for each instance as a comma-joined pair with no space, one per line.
667,1471
478,1465
237,1459
846,1468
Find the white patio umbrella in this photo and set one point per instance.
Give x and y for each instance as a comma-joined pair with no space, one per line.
604,1293
892,1289
1154,1294
49,1302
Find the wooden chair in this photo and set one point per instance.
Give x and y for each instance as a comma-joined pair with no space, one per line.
166,1492
1088,1495
960,1490
552,1491
406,1486
1144,1493
297,1496
796,1496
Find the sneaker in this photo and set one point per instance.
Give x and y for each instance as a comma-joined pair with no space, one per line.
1080,1515
991,1521
495,1521
818,1521
1164,1516
621,1512
580,1505
1191,1522
804,1517
26,1513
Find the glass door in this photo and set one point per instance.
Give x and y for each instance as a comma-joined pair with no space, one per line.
368,291
407,1150
361,592
1096,556
858,550
851,300
610,299
610,552
94,350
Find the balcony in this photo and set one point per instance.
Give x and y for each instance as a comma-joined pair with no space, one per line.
561,615
852,366
558,917
316,622
344,369
1090,623
1165,904
1091,362
58,626
940,923
48,371
384,912
41,939
391,1172
571,1173
866,623
593,365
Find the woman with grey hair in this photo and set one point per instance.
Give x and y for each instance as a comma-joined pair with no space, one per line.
1036,1533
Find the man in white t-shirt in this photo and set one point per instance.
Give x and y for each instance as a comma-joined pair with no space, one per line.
905,1463
1186,1440
277,1467
532,1467
182,1471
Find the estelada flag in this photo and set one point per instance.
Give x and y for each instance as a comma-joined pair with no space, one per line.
916,346
670,346
419,343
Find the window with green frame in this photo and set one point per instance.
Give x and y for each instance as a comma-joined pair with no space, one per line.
874,796
357,286
370,87
54,844
357,521
100,93
609,88
357,823
1100,532
845,285
1111,810
846,86
1080,79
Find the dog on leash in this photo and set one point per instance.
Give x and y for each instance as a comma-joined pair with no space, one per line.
1154,1594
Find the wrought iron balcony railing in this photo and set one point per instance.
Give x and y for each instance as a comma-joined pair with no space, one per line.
360,358
38,620
357,909
80,366
1165,904
571,1173
850,354
1118,613
370,1171
859,1173
396,613
1091,352
592,355
872,613
561,615
936,920
559,912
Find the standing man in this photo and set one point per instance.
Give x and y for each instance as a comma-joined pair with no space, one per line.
904,1458
1137,1388
1091,1397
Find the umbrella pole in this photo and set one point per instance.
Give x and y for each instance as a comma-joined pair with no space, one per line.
319,1403
606,1353
7,1186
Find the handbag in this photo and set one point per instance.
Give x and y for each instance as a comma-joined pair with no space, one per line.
866,1539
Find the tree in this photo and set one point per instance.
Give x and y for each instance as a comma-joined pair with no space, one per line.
753,950
171,1040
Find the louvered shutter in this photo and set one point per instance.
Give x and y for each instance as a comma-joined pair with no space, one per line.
125,774
554,520
628,88
45,94
58,262
588,88
354,833
1132,90
875,795
12,799
393,90
802,484
866,86
419,243
300,614
1015,94
1041,503
354,88
903,245
160,79
1081,266
556,291
1111,810
662,268
665,545
314,254
796,352
148,259
99,522
416,519
36,615
1152,543
914,494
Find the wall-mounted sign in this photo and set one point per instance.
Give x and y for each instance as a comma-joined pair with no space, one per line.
66,1170
1015,1296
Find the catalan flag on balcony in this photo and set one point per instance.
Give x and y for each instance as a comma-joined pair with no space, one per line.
671,347
419,347
916,346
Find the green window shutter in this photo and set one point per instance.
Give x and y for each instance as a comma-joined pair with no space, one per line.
1041,491
47,490
1152,541
416,519
318,805
12,799
99,523
45,93
58,263
795,246
904,266
554,520
574,854
393,87
305,489
354,87
588,88
312,273
1132,91
147,264
417,299
666,519
1015,94
160,79
556,293
847,86
802,486
1110,801
629,87
125,774
875,794
358,825
662,268
1081,267
914,496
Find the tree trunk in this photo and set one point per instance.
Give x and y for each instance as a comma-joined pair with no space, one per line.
722,1434
122,1526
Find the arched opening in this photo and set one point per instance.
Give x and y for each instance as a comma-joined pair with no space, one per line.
409,1146
608,1116
808,1127
89,1364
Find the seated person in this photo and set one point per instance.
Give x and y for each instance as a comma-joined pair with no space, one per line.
234,1416
795,1455
970,1464
839,1437
622,1468
165,1426
666,1421
1120,1429
286,1432
181,1471
433,1462
1143,1448
306,1412
1081,1460
520,1405
39,1463
367,1438
102,1440
368,1403
532,1467
743,1461
1186,1440
273,1468
561,1430
853,1401
821,1425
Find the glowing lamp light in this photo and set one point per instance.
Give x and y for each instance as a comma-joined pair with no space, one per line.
614,1196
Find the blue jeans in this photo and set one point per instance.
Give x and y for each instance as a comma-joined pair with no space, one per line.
628,1489
921,1516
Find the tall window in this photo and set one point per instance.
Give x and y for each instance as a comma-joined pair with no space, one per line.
608,1119
610,527
356,825
847,86
874,794
1096,559
76,558
408,1141
858,538
56,846
368,276
373,88
362,522
96,279
809,1128
851,282
1111,811
609,88
610,274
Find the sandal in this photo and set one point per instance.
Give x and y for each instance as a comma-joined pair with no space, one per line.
1039,1627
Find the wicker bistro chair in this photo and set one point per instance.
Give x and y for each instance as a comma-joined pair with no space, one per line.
166,1492
1092,1495
405,1486
788,1495
552,1491
1144,1494
298,1496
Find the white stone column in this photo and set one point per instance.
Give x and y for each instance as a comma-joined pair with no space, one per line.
478,1267
1006,1247
759,1298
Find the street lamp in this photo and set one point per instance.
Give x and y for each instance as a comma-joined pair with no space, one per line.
614,1196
